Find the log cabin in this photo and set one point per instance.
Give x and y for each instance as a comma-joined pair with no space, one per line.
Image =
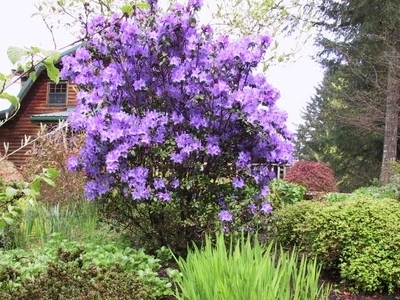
41,101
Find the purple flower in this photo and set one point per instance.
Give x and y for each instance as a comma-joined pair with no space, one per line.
183,140
174,61
178,157
243,160
90,190
196,4
140,192
161,100
197,121
159,183
112,161
73,163
252,207
237,183
213,150
82,54
266,207
175,183
178,75
221,202
139,84
164,196
264,191
266,39
225,216
177,118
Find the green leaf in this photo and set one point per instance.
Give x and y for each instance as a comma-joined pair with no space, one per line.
34,189
8,220
49,181
14,213
32,76
35,50
2,82
127,9
10,192
143,5
15,54
53,55
52,173
52,71
13,99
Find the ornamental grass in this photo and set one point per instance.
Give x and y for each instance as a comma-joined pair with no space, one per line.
247,270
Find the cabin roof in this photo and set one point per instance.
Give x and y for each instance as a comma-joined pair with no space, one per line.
29,83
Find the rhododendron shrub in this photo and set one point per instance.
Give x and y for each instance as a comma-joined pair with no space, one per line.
174,118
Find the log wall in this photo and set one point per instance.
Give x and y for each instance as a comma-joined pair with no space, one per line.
35,102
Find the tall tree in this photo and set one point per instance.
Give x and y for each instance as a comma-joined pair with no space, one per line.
362,38
352,152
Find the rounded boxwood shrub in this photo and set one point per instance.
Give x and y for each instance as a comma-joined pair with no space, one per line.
358,238
315,176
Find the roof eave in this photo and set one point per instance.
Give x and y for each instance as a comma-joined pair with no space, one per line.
38,119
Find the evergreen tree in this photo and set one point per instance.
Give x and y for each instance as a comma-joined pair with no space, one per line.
353,154
360,42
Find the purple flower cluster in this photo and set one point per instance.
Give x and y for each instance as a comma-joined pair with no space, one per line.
225,216
163,101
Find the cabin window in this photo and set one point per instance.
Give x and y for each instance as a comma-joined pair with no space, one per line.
57,95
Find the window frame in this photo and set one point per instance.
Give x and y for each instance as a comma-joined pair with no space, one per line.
53,85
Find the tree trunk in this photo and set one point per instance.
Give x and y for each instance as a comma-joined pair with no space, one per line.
391,122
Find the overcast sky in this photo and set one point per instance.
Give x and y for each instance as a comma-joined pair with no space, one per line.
296,80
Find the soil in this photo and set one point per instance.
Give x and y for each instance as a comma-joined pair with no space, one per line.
342,295
340,292
346,295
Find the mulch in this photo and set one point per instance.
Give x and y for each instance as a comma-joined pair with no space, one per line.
340,292
345,295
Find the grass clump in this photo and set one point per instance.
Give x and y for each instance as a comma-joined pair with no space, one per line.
40,221
247,270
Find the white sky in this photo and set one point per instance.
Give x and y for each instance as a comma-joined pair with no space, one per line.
296,80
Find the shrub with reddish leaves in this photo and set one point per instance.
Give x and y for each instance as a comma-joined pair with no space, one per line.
315,176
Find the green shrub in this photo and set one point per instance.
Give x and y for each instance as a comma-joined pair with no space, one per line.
315,176
72,270
283,193
359,238
336,197
390,190
247,270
